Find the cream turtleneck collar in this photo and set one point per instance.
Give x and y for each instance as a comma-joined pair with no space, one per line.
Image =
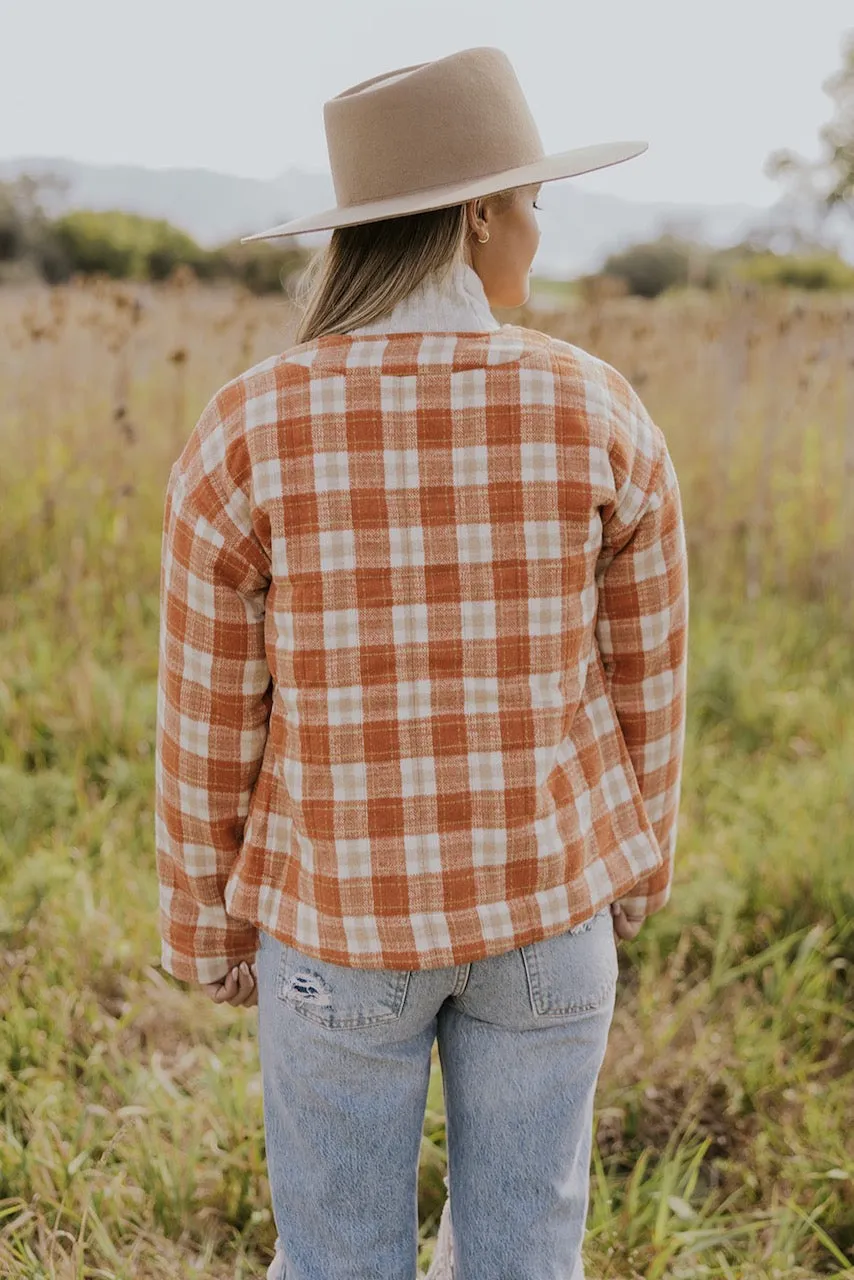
456,303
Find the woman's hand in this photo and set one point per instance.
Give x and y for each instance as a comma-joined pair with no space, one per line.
624,926
239,986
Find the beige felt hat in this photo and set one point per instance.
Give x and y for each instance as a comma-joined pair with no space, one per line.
436,134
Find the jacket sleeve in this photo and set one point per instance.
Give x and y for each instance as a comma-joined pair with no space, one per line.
213,704
642,627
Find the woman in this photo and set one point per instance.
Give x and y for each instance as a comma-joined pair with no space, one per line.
421,712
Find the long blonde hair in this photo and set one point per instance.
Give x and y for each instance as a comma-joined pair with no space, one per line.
366,270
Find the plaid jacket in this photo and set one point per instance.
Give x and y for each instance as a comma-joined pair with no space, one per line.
422,665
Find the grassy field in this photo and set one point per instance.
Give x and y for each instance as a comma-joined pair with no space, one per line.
131,1135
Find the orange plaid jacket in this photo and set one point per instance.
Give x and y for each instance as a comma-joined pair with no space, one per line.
422,664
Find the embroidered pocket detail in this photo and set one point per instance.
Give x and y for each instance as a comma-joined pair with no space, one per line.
574,972
335,995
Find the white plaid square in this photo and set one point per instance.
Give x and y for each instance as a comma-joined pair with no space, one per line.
553,905
489,846
598,400
587,600
437,349
495,919
475,543
630,502
480,695
362,934
341,628
366,354
548,837
655,629
599,883
542,539
200,860
406,546
539,462
337,549
615,788
252,743
291,771
256,677
331,472
262,410
212,450
468,389
536,386
649,563
354,858
422,853
504,346
284,621
239,512
200,596
486,771
350,781
269,903
327,395
658,753
544,763
409,624
599,467
194,801
308,925
545,615
657,691
305,356
398,394
279,832
195,736
279,556
198,666
418,776
204,530
267,481
545,689
344,704
599,714
401,468
478,619
429,931
471,465
413,700
584,811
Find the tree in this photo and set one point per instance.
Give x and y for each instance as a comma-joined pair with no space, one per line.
825,185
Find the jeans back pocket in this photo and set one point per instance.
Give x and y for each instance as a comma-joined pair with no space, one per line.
574,972
335,995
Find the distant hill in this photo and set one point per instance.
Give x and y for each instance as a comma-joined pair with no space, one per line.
579,228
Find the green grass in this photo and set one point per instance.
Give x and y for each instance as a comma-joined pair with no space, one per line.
131,1140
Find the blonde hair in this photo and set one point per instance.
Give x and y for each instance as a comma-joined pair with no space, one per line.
365,270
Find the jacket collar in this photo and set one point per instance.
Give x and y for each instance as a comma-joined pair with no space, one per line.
456,303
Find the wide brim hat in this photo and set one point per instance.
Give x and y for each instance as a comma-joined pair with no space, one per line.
437,134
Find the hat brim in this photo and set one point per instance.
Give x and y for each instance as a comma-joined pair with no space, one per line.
564,164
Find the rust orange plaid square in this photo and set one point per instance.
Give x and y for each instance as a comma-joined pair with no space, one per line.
422,662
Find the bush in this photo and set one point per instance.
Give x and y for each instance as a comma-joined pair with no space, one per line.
649,269
812,271
121,245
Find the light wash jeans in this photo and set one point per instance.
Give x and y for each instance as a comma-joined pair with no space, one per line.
345,1062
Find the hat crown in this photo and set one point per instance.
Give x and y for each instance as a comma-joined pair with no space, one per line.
432,124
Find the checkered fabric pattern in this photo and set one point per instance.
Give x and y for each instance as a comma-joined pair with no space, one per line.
422,654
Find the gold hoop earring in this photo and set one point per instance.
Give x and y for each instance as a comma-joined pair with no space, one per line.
484,240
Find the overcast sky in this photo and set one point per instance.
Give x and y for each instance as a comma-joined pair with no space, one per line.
239,85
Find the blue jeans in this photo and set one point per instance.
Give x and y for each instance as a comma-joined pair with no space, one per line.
345,1062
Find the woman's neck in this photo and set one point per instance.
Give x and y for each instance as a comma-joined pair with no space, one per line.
455,303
